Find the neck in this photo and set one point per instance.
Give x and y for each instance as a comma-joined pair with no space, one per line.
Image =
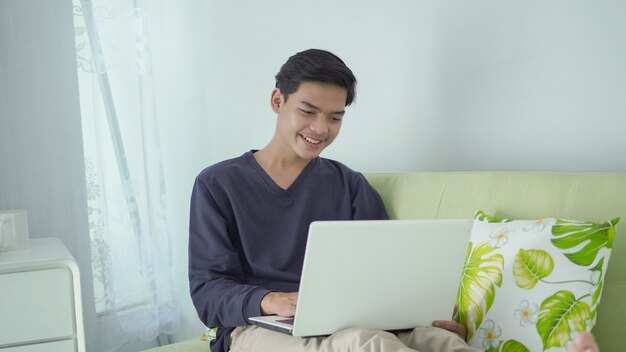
283,169
276,155
270,159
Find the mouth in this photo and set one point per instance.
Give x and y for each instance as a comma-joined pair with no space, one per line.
311,140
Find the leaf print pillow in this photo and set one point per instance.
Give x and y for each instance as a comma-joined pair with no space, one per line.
532,285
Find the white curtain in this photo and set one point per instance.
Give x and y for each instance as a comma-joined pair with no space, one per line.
128,216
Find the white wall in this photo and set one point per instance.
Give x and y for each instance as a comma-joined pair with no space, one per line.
443,86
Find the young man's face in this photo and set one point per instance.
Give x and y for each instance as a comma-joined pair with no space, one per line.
311,117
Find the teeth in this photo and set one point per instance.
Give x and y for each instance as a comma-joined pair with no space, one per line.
314,141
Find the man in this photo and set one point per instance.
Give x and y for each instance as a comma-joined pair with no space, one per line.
250,216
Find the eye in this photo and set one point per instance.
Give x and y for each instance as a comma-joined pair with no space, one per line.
306,112
336,118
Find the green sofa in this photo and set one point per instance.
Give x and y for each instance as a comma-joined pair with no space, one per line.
593,196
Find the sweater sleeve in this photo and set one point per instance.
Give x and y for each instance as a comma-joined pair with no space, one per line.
366,202
215,273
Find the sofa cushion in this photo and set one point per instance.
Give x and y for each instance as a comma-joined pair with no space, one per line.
532,284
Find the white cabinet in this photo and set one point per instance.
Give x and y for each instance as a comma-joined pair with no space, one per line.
40,301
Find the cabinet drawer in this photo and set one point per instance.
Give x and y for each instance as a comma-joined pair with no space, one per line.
57,346
36,305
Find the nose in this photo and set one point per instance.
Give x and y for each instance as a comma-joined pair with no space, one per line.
319,125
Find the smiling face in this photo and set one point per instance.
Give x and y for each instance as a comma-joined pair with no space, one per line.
309,119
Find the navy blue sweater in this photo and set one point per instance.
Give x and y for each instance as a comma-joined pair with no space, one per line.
247,235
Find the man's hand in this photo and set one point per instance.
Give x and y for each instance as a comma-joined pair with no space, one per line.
452,325
584,342
279,303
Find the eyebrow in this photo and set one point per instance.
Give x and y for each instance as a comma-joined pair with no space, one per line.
342,112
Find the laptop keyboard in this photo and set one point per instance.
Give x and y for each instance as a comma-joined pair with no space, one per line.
286,321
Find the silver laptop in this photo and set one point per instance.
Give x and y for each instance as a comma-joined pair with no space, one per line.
383,275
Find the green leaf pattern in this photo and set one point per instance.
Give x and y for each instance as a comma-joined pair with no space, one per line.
481,273
556,314
596,272
482,216
530,266
568,234
514,346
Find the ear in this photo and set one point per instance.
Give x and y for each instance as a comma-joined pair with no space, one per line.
276,100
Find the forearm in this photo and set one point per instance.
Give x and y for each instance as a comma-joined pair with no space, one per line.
223,303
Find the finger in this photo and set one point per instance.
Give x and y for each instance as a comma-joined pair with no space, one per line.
584,342
445,324
451,326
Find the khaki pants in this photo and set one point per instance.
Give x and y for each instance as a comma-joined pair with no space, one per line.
253,338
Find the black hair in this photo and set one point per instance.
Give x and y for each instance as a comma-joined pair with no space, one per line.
315,65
